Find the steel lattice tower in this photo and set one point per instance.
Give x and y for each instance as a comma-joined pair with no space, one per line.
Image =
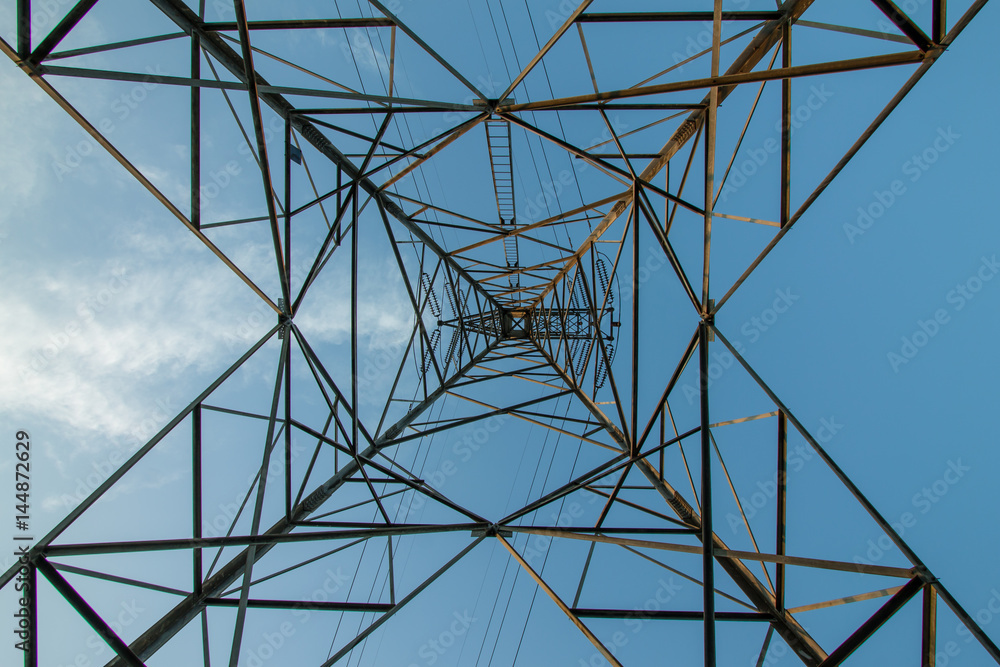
514,317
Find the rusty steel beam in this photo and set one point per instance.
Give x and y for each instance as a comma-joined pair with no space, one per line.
754,52
808,650
868,628
188,21
174,621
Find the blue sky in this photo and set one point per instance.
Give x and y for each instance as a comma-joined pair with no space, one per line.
118,317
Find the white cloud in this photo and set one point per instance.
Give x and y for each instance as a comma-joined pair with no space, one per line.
111,304
24,161
385,314
90,344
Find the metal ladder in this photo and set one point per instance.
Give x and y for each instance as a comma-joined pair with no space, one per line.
501,161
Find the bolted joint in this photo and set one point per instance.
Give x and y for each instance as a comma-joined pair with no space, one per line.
392,433
708,319
492,531
284,319
925,575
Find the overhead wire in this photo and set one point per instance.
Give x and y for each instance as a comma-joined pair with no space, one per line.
427,190
406,120
562,504
562,129
528,137
528,496
507,562
416,183
429,441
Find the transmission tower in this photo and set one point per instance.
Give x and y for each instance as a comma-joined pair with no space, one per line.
524,472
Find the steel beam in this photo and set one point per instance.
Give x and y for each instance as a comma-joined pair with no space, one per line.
302,24
905,24
808,650
666,615
559,603
23,28
780,506
754,52
51,41
125,654
250,79
188,21
868,628
652,17
172,623
928,648
707,534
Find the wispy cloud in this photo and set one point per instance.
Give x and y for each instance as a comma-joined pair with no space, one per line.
111,305
91,339
385,315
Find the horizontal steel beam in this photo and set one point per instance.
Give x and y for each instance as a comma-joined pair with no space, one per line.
312,605
649,17
188,21
728,80
666,615
172,622
263,89
809,651
268,539
300,24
